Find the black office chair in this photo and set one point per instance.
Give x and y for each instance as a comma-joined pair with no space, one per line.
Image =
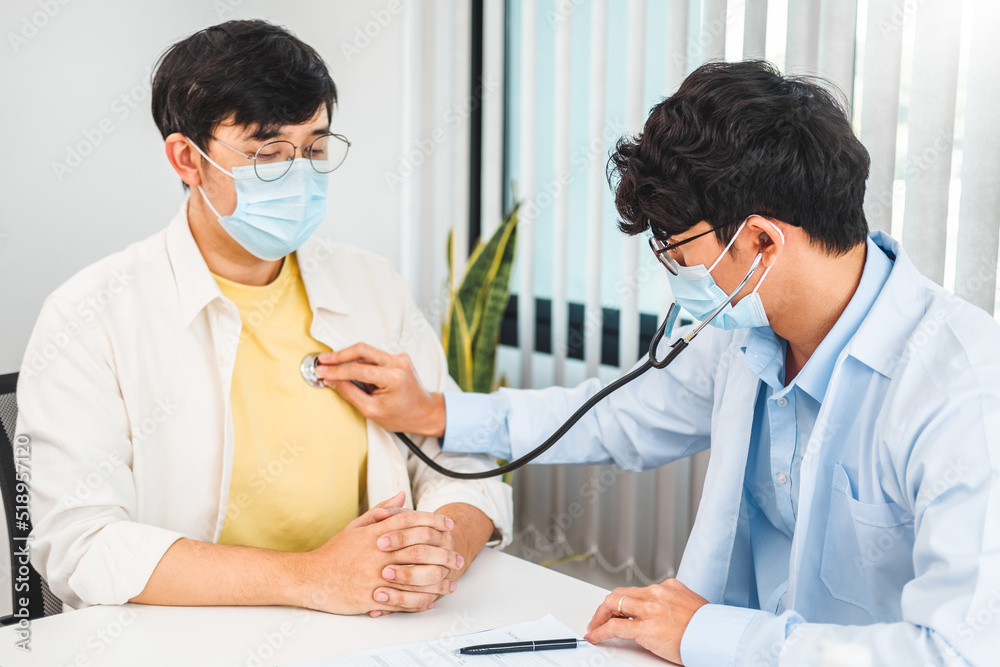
41,600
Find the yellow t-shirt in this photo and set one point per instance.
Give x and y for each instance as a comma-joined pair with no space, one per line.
300,457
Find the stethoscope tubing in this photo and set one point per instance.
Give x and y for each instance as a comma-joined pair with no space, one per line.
651,362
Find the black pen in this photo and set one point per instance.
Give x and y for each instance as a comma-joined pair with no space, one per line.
520,647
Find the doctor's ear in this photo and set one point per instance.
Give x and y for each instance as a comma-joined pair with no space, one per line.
770,238
183,158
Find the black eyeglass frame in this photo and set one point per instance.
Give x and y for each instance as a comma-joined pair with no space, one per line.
661,249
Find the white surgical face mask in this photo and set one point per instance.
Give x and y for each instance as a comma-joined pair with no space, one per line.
695,290
273,218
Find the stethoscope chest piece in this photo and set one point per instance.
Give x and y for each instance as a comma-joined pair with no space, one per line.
308,370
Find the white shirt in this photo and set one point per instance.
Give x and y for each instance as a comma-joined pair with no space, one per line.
124,394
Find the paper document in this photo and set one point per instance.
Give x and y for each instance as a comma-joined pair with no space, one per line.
441,652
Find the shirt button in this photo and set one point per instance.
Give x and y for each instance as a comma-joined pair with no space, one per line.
223,360
782,477
782,402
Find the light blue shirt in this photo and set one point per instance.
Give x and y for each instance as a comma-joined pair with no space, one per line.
783,422
888,529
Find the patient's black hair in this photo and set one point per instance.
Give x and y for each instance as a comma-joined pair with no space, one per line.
254,73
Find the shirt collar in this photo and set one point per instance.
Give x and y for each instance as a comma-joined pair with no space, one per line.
764,351
764,355
814,377
327,279
900,305
196,288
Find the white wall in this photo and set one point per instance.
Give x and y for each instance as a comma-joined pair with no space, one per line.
88,63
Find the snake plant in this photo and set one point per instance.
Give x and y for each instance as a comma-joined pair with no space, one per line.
476,306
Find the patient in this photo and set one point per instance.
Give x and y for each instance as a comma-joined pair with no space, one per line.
178,455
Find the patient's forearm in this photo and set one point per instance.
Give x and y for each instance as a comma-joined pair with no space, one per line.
194,573
472,531
340,577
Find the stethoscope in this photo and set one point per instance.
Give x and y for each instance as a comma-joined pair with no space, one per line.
308,369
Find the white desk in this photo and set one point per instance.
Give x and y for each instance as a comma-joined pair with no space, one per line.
498,590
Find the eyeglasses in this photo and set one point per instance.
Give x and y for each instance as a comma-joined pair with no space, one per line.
662,250
325,154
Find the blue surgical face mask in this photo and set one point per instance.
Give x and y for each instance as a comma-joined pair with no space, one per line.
696,292
273,218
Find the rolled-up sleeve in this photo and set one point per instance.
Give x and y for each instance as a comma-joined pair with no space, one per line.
85,540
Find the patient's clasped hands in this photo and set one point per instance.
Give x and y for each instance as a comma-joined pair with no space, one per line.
388,559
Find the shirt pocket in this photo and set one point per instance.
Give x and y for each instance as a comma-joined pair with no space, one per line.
867,551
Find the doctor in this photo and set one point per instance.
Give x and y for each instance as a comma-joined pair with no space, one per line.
852,406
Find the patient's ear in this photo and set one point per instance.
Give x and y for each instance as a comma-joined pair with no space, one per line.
183,158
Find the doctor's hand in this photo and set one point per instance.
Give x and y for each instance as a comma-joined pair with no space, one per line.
345,575
397,403
655,617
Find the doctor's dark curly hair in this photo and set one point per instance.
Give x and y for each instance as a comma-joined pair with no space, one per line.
738,139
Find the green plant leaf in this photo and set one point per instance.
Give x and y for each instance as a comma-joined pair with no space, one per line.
463,349
566,559
446,327
492,302
479,301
